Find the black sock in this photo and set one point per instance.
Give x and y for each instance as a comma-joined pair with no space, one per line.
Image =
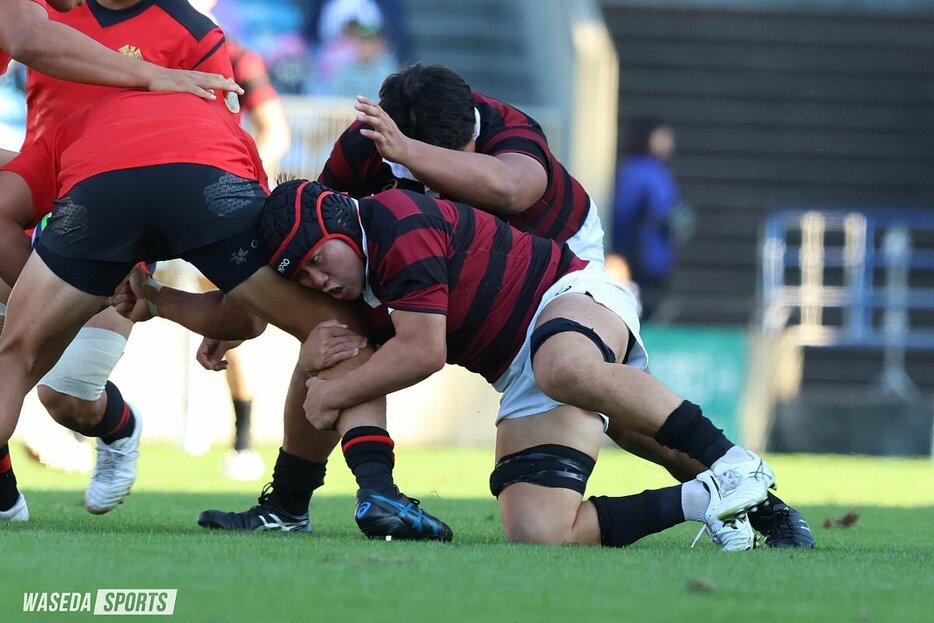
118,421
368,452
242,412
293,481
625,520
687,430
8,491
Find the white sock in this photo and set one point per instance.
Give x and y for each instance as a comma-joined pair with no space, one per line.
694,500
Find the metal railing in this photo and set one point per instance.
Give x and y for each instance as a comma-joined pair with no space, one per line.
860,264
850,279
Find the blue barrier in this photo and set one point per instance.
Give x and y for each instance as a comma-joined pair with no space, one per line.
873,265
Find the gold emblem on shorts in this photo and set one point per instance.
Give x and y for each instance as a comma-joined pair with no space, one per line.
391,184
232,101
132,51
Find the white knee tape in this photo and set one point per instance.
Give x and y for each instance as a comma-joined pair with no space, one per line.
86,364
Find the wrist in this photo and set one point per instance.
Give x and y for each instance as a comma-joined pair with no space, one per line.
152,288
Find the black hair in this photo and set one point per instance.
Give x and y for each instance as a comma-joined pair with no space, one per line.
640,131
430,103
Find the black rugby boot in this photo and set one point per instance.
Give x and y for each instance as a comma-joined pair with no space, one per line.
382,514
266,516
782,526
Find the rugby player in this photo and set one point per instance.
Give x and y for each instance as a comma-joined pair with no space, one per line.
175,40
447,283
431,132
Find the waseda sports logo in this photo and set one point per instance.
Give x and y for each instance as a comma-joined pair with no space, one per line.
107,601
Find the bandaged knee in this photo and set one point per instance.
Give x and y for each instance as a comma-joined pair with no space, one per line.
548,465
87,363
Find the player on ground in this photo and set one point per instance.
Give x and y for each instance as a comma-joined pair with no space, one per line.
476,150
431,131
559,339
172,35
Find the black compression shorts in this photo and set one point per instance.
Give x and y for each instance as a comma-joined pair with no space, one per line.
109,222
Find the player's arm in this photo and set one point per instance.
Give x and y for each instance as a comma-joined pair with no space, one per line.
211,314
418,350
6,156
56,50
506,184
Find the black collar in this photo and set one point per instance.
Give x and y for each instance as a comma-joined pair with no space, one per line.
111,17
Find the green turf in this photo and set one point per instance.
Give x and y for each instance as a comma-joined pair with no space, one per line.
881,569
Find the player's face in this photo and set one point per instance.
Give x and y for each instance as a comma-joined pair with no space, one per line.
334,269
65,5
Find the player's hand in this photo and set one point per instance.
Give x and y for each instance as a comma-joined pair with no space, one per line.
130,299
328,344
318,411
391,143
194,82
211,353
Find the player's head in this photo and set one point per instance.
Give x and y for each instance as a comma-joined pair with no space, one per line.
649,136
432,104
65,5
313,235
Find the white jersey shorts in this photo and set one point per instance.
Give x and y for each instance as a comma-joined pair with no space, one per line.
521,395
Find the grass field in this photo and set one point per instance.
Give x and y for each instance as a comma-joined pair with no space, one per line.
880,569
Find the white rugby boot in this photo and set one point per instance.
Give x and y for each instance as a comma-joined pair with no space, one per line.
744,484
735,535
18,512
114,472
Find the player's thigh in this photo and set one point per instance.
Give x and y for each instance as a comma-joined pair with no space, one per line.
110,320
571,356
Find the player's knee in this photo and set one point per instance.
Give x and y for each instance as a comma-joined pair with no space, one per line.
558,477
67,410
561,377
559,371
537,528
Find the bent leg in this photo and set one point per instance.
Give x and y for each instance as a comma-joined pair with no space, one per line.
533,513
37,329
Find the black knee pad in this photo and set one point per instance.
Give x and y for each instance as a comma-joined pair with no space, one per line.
562,325
548,465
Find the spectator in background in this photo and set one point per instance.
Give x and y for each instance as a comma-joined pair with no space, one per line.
269,124
353,57
323,22
646,197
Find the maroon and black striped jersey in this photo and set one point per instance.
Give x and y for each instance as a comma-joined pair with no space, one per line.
436,256
355,167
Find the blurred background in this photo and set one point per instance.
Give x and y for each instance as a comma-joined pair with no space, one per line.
764,170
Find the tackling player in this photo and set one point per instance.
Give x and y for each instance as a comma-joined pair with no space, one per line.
431,131
170,34
559,338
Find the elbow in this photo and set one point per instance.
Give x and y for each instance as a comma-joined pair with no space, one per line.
255,328
434,360
26,46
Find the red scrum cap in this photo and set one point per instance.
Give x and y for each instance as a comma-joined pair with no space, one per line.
299,216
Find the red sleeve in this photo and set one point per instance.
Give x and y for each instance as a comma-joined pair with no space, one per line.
210,55
251,74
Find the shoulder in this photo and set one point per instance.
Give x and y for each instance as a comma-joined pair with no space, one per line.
189,18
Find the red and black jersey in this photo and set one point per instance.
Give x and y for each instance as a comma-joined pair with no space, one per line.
4,57
170,33
356,167
436,256
249,71
131,129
